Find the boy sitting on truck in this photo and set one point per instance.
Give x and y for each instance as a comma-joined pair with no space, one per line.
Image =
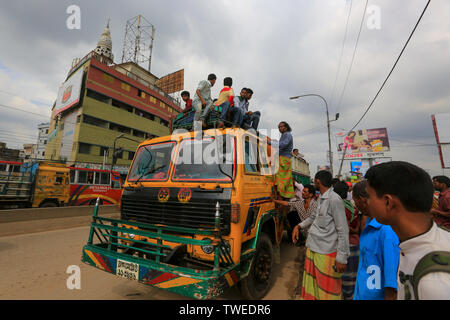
226,102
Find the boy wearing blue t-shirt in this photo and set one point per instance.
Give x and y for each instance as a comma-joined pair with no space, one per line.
379,255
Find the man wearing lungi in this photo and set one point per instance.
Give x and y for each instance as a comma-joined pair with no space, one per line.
327,244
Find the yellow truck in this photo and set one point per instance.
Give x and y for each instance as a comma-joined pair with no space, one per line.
196,216
35,184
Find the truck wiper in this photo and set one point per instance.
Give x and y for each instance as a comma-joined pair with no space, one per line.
149,172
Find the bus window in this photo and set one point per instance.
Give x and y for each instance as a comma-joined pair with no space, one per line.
82,177
97,178
104,178
72,176
90,177
16,169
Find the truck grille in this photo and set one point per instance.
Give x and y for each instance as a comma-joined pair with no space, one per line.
191,215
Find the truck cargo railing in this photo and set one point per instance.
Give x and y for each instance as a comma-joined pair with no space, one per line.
15,184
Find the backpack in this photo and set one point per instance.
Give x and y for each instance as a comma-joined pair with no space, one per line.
436,261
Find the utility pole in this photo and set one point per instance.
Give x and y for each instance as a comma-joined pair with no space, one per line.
330,155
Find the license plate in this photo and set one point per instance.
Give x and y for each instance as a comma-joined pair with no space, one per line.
128,270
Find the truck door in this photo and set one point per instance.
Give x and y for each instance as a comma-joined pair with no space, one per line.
256,196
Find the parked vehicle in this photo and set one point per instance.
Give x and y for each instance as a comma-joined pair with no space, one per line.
191,226
86,185
300,170
33,184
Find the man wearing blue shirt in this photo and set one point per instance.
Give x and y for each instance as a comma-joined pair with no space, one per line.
379,255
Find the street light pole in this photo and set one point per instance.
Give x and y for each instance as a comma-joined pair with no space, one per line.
328,124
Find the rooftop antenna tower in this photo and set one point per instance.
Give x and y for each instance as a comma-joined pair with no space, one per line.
138,42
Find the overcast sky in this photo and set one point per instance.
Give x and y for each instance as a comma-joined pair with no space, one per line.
278,48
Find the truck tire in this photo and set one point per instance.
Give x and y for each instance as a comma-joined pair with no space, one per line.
259,280
48,204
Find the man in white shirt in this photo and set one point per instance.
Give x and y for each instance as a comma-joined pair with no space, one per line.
298,187
401,195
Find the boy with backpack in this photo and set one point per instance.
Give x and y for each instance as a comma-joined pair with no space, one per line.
400,194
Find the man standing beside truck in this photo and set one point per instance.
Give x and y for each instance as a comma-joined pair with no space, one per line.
327,244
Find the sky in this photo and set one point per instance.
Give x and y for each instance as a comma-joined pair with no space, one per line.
278,49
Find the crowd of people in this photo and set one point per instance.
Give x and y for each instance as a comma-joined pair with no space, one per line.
384,238
234,109
387,237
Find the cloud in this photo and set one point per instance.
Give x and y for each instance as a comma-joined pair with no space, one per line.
279,49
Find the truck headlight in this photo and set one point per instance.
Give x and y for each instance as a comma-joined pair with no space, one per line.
208,249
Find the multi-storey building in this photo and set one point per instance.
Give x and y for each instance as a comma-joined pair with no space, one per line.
101,100
42,139
29,151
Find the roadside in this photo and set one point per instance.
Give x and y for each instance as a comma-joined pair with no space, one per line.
40,225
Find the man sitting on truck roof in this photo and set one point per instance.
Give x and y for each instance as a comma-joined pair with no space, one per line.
250,118
202,99
226,102
185,95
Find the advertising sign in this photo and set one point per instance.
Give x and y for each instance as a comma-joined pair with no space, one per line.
171,83
69,92
441,126
367,143
68,135
355,166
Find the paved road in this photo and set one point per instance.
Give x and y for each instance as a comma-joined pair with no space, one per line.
33,266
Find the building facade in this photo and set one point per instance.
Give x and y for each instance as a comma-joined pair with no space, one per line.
29,151
101,100
42,139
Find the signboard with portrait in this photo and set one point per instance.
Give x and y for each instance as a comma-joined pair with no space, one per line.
69,92
367,143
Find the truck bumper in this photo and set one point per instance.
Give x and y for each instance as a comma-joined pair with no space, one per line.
188,282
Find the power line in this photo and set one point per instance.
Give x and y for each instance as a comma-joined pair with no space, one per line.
342,52
14,108
353,57
384,82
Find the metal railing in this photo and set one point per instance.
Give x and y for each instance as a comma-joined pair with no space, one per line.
113,235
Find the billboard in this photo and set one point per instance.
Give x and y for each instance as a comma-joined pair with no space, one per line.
367,143
441,126
69,92
70,122
171,83
355,166
360,166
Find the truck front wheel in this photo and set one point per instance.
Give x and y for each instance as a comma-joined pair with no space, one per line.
259,280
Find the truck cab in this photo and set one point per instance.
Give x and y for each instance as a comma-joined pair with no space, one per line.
196,216
34,184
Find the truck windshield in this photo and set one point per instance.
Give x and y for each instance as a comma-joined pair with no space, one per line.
205,160
152,162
